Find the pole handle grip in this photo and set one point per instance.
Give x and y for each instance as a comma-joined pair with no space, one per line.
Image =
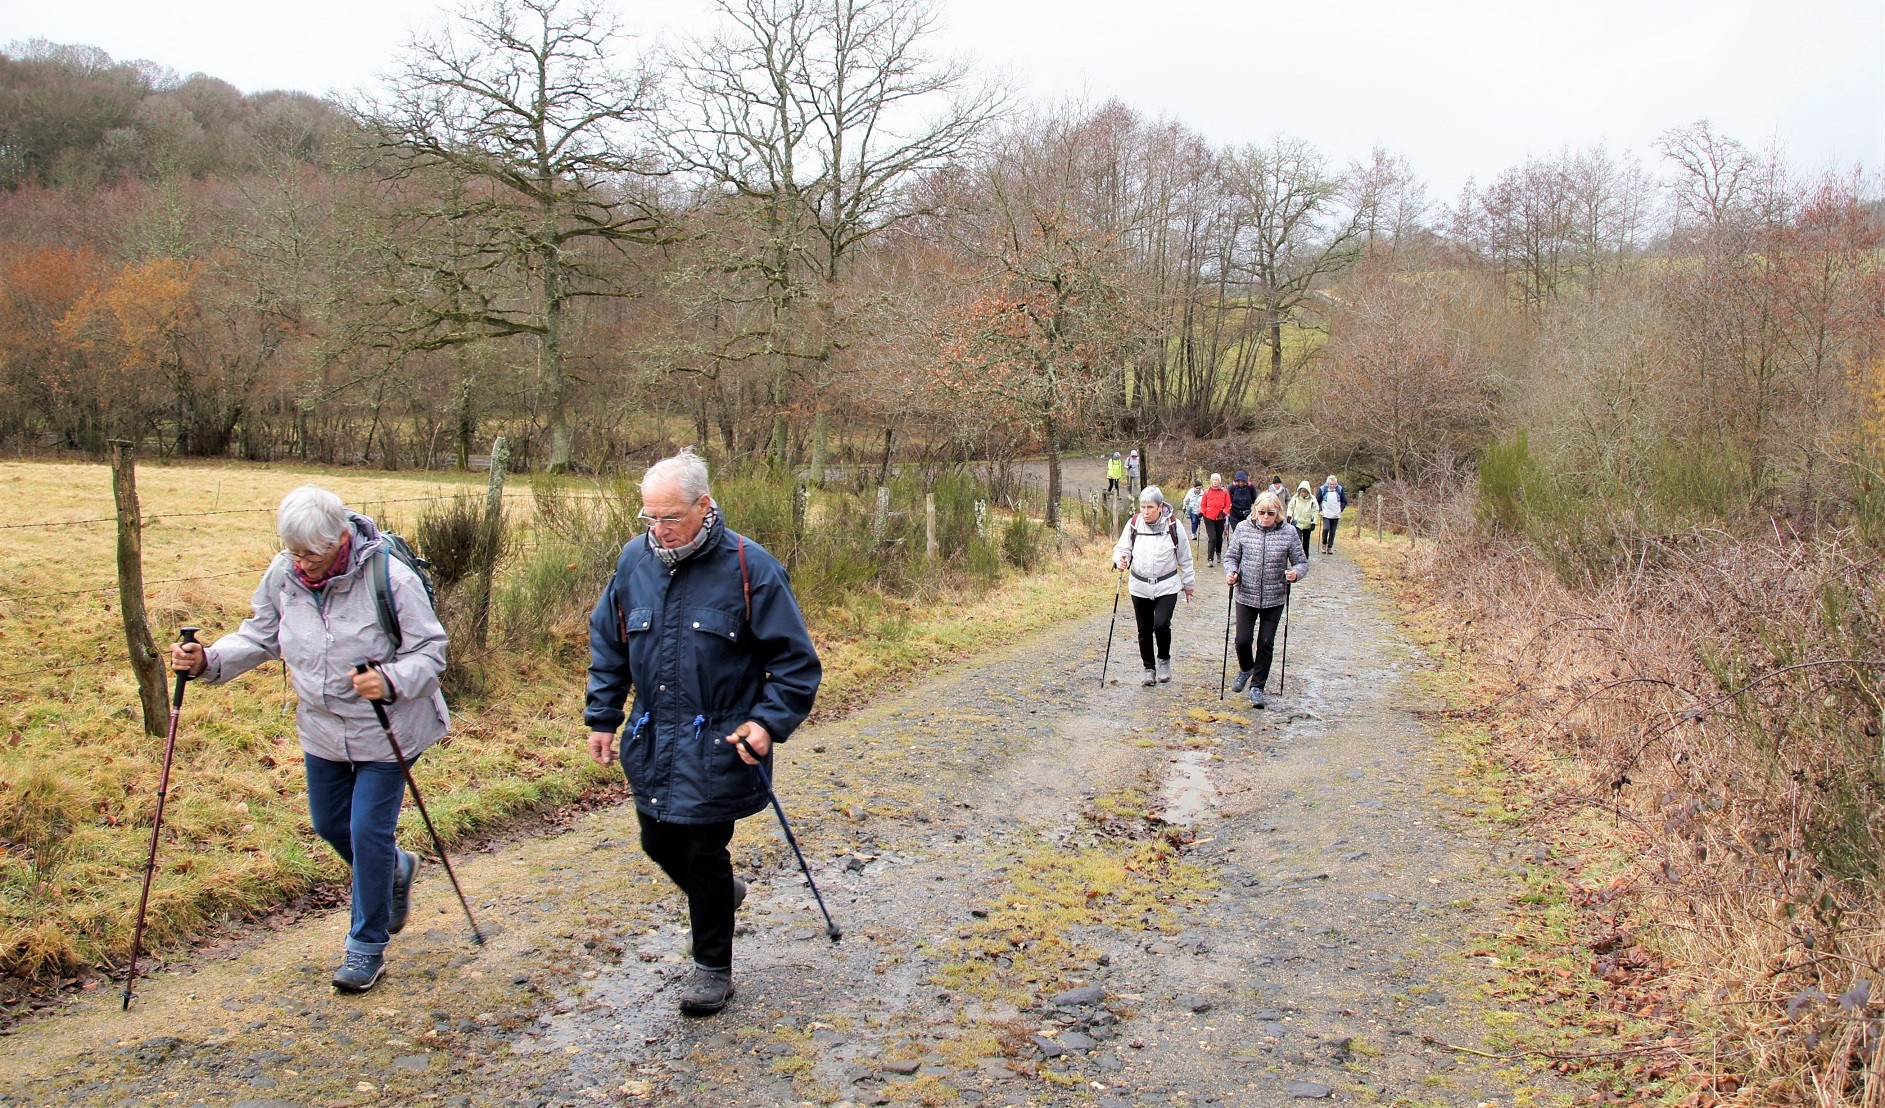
379,706
184,635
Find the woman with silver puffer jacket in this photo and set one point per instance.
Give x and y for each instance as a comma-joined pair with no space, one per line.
317,611
1264,559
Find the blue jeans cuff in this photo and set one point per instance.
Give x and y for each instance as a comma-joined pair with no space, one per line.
355,946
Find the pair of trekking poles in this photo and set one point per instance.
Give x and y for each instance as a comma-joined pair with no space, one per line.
188,635
1230,605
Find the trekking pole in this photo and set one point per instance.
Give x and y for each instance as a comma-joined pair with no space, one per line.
1283,671
1117,585
832,931
405,769
1223,673
185,635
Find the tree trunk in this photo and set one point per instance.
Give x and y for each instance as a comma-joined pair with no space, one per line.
550,365
1276,360
145,662
1052,435
820,428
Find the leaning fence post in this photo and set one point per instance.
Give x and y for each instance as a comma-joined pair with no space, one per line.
145,663
490,541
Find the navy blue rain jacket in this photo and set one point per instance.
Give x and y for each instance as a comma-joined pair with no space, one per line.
700,668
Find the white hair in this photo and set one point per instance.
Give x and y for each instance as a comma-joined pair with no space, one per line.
1332,479
1151,494
311,519
687,470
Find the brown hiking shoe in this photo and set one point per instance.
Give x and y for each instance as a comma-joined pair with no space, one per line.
707,991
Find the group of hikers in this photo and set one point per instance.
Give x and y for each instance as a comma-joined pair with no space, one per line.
1266,554
699,660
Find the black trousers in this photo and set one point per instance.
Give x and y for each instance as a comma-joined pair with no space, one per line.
1308,535
1155,626
1261,624
1328,532
1214,539
694,856
1112,484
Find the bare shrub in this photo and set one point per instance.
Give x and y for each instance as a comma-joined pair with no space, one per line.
1722,699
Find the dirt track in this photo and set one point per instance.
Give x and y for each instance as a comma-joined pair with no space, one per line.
1052,893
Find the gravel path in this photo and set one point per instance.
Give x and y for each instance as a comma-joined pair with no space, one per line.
1051,893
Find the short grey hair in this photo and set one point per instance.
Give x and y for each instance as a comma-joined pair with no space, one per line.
311,519
1151,494
687,469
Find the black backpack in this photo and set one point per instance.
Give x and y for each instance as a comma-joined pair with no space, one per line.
394,546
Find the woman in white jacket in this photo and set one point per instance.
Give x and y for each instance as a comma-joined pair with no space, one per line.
1159,560
318,610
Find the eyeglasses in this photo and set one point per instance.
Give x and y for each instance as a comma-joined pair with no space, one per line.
1265,512
305,555
665,521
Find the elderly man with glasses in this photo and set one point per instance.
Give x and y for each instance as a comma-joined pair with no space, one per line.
701,623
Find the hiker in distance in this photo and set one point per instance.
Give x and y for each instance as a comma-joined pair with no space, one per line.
1159,561
1242,495
1300,513
1194,503
702,624
321,608
1132,472
1264,559
1115,473
1331,498
1214,506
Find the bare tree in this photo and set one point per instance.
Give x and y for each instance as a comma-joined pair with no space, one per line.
811,117
1299,226
521,111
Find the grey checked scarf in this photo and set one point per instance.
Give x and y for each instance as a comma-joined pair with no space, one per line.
672,556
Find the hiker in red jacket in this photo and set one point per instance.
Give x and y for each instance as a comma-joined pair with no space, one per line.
1215,507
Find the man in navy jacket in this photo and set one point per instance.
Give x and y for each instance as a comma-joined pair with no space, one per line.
702,624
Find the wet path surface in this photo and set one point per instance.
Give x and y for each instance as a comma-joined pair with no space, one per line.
1051,893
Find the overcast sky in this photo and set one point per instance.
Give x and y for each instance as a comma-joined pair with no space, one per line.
1463,89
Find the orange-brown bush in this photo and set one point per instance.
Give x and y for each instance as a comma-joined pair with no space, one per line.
1721,698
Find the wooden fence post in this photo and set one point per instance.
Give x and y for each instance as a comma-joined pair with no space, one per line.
490,542
1377,517
145,662
981,519
880,523
929,525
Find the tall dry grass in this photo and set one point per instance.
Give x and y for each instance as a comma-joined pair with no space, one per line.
1718,701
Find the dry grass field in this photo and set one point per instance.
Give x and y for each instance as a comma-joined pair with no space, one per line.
78,773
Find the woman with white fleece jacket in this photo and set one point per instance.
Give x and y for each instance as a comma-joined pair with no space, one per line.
1157,554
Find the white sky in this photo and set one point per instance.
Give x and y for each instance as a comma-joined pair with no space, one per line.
1463,88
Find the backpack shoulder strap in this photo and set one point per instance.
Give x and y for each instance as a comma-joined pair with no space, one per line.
746,580
379,566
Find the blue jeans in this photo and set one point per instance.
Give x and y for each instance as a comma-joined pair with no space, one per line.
355,807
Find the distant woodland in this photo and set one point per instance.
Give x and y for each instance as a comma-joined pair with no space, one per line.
805,241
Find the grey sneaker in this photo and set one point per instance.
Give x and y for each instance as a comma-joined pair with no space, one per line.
707,992
359,972
1242,682
403,870
1256,698
1151,678
1164,670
